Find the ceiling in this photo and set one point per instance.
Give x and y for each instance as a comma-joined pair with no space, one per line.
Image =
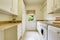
31,2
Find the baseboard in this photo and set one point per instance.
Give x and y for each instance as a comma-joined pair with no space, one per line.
32,30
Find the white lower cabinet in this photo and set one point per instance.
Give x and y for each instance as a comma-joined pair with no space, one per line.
1,35
53,33
11,33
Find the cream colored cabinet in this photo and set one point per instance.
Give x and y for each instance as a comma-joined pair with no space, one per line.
15,7
9,34
6,5
56,5
1,35
53,6
9,6
50,6
53,33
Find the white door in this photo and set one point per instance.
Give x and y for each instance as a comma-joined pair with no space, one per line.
31,23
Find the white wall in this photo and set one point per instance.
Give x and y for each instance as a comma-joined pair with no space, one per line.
23,17
39,14
4,17
31,25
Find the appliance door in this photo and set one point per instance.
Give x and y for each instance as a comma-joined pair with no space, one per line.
44,33
42,30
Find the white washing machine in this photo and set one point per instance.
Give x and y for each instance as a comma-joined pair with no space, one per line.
42,30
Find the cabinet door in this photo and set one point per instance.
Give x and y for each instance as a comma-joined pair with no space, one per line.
10,33
58,34
49,6
1,35
6,5
57,4
15,7
53,33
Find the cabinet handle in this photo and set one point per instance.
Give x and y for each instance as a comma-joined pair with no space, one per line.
58,32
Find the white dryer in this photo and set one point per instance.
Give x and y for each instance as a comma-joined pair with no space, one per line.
42,30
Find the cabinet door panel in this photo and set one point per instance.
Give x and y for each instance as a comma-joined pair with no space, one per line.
57,3
6,5
10,33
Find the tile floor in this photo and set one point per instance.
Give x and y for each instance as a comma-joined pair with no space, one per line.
31,35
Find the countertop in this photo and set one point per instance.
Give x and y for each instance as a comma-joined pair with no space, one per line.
55,25
52,24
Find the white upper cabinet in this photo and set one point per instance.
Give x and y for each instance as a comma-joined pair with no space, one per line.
56,5
53,6
15,7
49,6
6,5
9,6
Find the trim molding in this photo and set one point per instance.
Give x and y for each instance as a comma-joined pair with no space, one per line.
32,30
41,20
